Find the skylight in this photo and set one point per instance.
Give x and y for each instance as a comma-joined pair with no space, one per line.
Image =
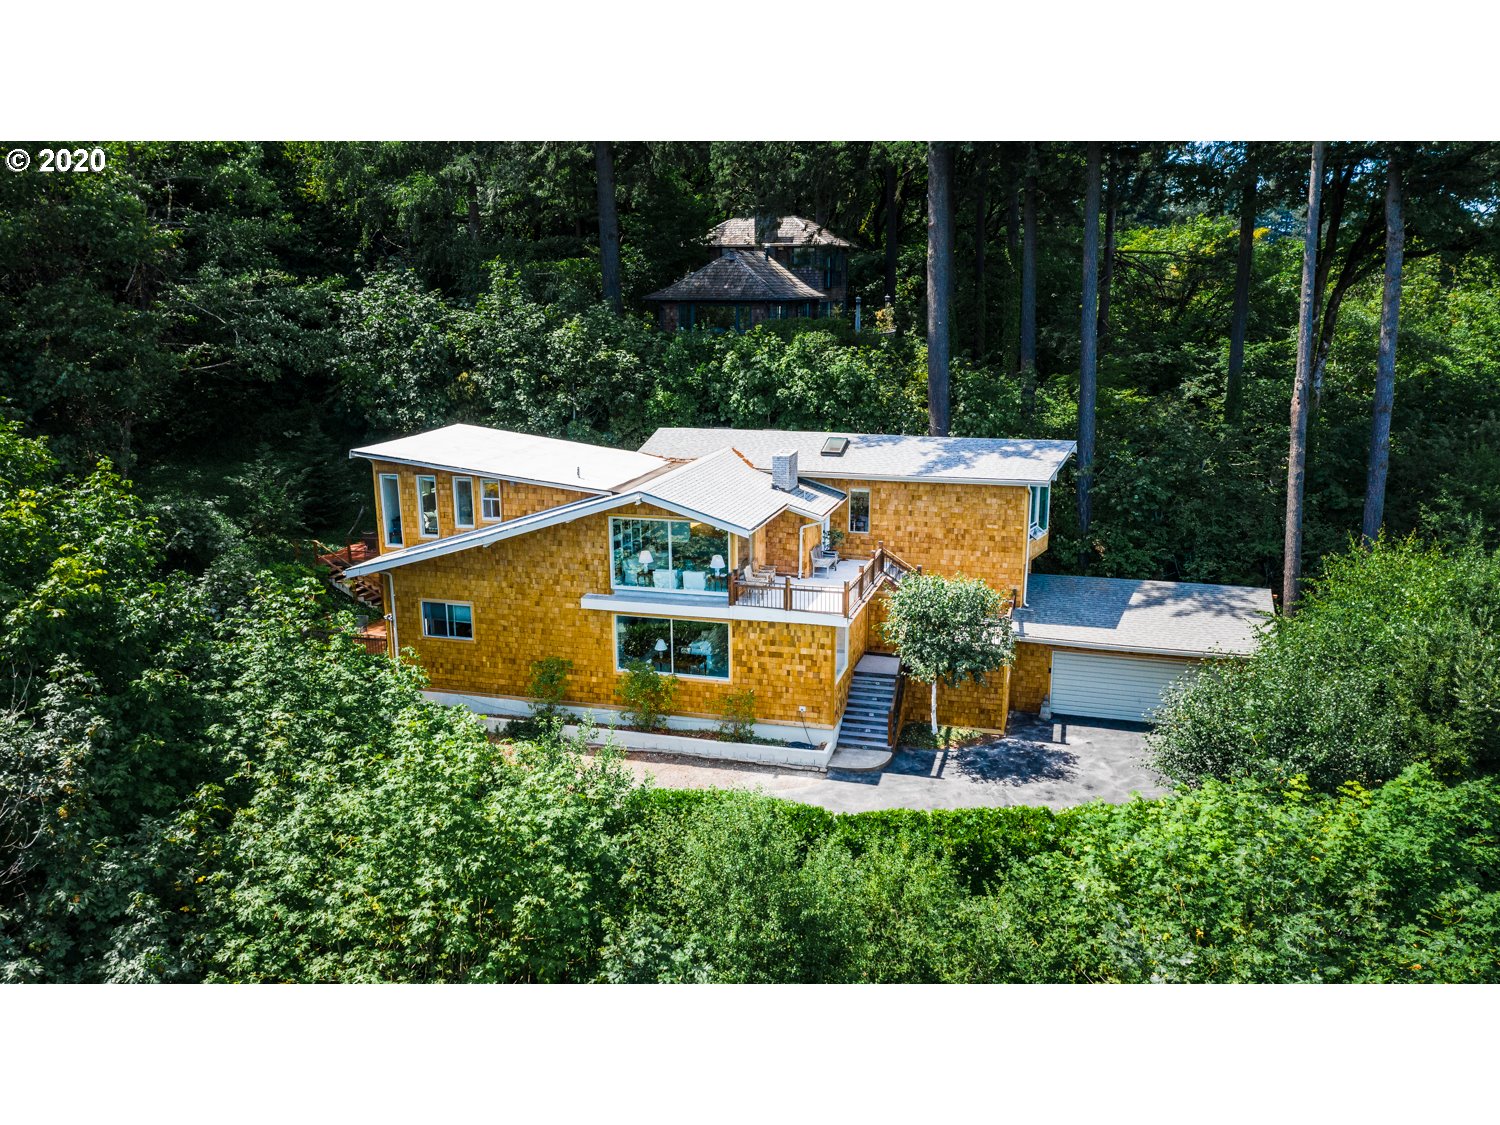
835,446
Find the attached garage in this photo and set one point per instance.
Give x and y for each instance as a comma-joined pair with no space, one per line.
1103,685
1108,648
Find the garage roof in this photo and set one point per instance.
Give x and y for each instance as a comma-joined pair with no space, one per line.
1130,615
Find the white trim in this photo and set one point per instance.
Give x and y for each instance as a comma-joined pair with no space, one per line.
437,515
473,512
722,611
817,472
614,639
1149,650
849,512
469,470
499,499
422,603
384,523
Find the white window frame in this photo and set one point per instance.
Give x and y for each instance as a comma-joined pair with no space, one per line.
385,523
840,652
499,500
437,515
849,520
473,511
614,642
1041,510
422,605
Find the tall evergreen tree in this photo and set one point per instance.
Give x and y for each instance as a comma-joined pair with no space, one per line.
1087,351
1028,285
609,225
1385,363
1296,466
1240,318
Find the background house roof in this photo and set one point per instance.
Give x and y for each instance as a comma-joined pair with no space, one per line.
746,275
878,456
786,230
525,457
1130,615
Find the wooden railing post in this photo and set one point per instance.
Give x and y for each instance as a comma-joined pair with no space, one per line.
787,599
846,599
733,588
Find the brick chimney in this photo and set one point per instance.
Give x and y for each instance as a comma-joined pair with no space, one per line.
784,470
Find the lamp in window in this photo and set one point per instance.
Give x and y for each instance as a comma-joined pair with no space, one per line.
660,647
716,564
645,559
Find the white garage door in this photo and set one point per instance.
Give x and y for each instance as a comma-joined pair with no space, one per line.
1100,686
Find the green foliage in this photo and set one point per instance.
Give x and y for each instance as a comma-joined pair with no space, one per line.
549,683
737,721
1390,661
647,695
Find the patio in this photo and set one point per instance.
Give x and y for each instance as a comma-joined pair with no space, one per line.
840,589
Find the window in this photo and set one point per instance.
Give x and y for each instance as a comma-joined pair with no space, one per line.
427,506
669,555
679,648
1041,504
451,620
390,508
859,509
840,651
463,501
489,500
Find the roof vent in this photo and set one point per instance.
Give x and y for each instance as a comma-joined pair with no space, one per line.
784,470
835,446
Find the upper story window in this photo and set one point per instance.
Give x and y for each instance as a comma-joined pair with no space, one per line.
859,510
463,501
390,508
669,555
427,507
489,500
1041,507
452,621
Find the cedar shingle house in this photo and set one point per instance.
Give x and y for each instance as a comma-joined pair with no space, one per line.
767,269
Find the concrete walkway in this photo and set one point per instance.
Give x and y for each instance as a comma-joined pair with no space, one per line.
1056,764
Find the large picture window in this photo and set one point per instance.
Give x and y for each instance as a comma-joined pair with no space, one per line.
452,621
669,555
427,508
678,648
859,510
390,508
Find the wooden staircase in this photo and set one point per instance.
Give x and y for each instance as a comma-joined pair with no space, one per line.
872,717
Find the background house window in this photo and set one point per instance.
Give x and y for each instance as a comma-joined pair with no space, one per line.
427,506
463,501
390,508
859,509
451,620
669,555
1041,506
679,648
489,499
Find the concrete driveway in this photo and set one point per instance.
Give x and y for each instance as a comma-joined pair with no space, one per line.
1058,764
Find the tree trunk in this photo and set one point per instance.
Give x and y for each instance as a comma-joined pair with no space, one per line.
1385,362
1240,320
1324,318
1028,287
939,282
473,191
1296,462
1087,354
1013,262
981,205
1107,266
609,224
892,233
934,711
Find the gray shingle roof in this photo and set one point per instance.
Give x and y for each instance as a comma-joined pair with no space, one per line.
740,275
725,487
1132,615
956,460
786,230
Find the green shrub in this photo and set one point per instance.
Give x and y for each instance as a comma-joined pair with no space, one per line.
549,683
737,721
647,695
1391,660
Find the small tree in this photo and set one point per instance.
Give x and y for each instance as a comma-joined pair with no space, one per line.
647,695
737,720
948,629
549,683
